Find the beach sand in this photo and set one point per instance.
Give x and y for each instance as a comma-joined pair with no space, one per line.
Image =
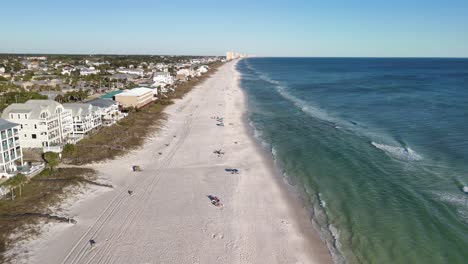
169,218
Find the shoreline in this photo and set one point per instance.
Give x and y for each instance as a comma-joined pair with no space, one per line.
169,218
292,194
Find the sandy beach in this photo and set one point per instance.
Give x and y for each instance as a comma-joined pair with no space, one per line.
169,217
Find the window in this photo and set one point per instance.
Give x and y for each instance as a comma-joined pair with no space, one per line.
34,136
18,116
26,116
25,135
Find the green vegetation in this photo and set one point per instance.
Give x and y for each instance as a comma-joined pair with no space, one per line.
52,160
72,96
35,196
69,150
15,182
18,97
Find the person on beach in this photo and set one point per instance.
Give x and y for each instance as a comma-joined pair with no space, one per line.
92,242
130,192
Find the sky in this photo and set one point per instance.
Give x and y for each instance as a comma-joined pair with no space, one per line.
295,28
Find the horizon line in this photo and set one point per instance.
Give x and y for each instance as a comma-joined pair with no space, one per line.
253,56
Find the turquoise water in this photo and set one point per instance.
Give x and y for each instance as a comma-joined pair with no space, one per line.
378,146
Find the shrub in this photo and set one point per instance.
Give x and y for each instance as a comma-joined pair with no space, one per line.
69,150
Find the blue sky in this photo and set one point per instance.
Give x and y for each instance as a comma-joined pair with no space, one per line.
397,28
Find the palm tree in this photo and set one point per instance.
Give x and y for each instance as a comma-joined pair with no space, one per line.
14,182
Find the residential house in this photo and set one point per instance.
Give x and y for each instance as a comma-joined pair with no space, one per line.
139,72
43,123
67,70
109,111
11,154
136,97
183,74
85,117
202,69
161,79
88,71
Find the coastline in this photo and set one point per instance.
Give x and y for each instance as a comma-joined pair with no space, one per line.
169,218
316,248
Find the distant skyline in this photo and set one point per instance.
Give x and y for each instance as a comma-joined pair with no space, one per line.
264,28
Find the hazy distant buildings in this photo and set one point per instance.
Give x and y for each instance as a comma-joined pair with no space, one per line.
230,55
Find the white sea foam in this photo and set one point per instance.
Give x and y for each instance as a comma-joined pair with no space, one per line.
459,200
273,151
322,202
399,152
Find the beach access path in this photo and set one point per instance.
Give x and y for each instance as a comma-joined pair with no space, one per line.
169,217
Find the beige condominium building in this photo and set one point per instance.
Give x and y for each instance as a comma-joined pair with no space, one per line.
136,97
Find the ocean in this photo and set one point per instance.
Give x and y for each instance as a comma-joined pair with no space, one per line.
377,146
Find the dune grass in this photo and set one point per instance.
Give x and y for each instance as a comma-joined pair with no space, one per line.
38,196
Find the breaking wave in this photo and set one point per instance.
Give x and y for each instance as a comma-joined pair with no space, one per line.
400,153
301,104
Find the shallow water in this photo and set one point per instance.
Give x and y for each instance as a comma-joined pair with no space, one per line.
378,145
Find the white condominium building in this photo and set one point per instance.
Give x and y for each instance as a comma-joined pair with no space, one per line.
43,123
109,111
10,149
86,117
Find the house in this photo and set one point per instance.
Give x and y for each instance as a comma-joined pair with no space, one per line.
136,97
202,69
85,117
88,71
162,79
109,111
139,72
67,70
183,74
43,123
11,154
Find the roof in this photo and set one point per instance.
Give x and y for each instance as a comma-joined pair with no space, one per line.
161,74
103,103
4,124
34,107
139,91
111,94
78,109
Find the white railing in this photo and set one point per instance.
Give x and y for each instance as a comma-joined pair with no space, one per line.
35,169
56,149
